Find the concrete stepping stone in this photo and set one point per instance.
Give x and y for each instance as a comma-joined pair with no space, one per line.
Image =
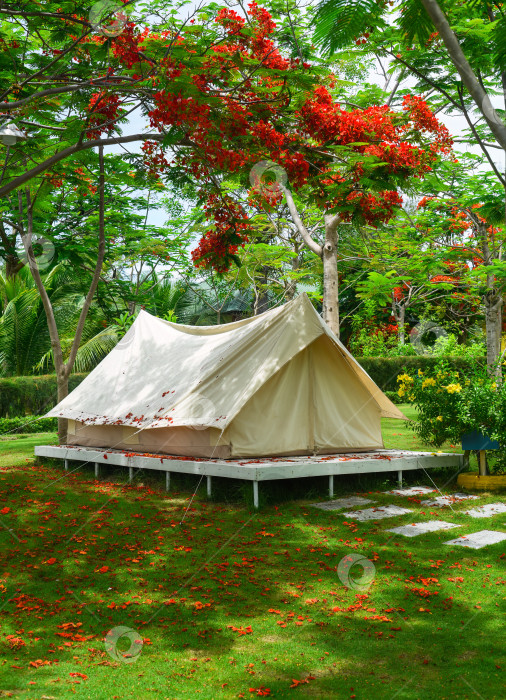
411,491
422,528
339,503
480,539
377,513
448,500
487,510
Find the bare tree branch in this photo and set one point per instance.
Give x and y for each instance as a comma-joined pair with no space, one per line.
311,244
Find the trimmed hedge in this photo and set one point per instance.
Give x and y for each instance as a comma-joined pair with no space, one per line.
28,424
384,370
31,396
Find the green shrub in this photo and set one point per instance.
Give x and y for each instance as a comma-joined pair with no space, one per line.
384,370
451,404
28,424
449,347
394,397
379,344
34,396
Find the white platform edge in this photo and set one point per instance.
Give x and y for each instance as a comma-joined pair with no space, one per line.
261,471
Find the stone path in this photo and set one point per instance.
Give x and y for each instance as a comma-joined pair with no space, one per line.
339,503
377,513
411,491
448,500
487,510
422,528
477,540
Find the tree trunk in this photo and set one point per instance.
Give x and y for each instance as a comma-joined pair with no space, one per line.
330,276
12,266
12,262
62,382
63,369
401,323
493,325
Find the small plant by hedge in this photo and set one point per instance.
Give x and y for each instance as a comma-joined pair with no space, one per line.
385,370
28,424
31,396
394,397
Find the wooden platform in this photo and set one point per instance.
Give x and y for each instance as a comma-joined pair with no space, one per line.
260,469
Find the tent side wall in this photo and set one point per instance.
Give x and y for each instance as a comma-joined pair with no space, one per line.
185,442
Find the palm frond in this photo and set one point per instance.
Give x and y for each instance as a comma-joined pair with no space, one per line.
498,44
339,22
95,349
415,22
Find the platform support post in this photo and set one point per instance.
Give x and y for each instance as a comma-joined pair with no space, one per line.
167,481
66,463
399,477
97,470
331,486
209,479
130,473
255,494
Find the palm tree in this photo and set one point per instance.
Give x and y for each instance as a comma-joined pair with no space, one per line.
25,345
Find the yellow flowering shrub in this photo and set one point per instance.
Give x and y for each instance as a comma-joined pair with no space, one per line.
451,405
453,388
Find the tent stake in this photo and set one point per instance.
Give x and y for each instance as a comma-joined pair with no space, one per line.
255,494
399,477
130,473
209,486
331,486
167,481
97,470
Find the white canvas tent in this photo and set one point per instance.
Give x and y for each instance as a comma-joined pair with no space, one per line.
276,384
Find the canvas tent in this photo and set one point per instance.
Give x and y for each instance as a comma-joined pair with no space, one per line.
276,384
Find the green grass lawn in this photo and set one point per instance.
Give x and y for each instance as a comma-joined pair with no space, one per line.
397,435
226,603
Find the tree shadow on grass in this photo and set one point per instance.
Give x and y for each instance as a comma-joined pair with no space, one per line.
226,570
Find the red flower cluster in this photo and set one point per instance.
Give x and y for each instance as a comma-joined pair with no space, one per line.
222,241
126,46
240,127
424,119
374,209
103,109
444,278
